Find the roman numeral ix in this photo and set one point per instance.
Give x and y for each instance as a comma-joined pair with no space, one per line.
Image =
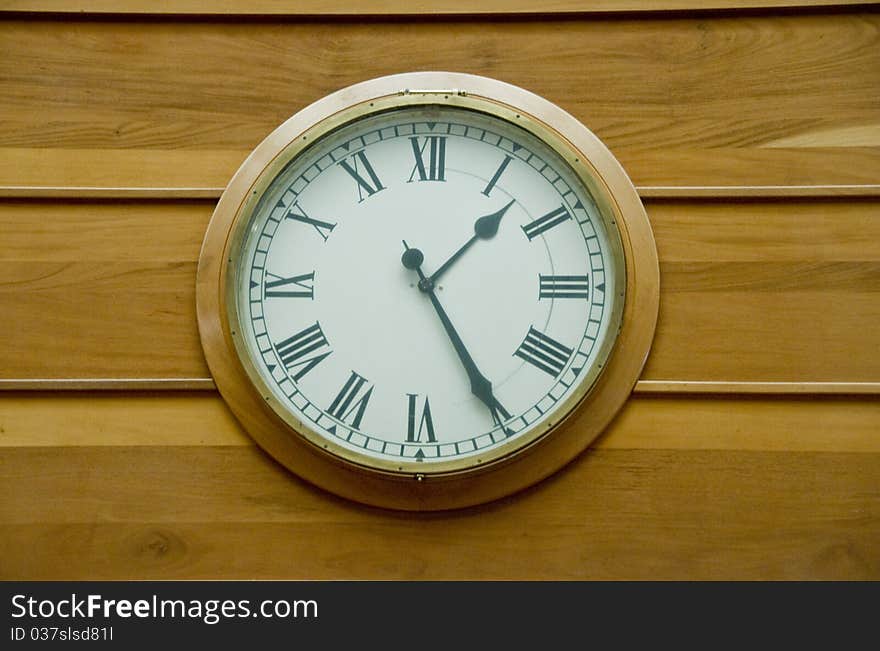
294,287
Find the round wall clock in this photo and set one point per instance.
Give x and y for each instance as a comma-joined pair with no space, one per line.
427,291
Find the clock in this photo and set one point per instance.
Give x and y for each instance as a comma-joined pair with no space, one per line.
427,291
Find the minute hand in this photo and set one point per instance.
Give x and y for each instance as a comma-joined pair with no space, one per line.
485,228
481,387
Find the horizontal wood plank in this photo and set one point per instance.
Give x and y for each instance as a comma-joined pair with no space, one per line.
645,192
398,7
648,387
664,387
828,424
135,173
657,91
766,291
230,512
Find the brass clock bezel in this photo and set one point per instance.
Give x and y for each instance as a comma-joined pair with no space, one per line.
471,480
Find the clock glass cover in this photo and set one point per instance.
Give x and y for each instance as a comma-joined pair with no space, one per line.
425,288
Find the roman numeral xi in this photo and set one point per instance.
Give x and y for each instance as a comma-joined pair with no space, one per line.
359,168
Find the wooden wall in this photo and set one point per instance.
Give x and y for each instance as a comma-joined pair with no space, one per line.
749,450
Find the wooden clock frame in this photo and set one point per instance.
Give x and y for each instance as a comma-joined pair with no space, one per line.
585,416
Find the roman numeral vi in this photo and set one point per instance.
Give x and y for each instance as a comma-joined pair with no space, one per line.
425,423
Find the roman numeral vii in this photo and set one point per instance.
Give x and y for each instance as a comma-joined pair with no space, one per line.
351,400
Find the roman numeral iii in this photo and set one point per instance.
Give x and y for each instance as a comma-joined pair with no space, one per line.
296,351
563,286
357,166
543,352
430,158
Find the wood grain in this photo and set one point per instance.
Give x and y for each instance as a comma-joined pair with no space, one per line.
92,419
646,387
102,288
734,192
396,7
769,286
767,291
119,109
613,514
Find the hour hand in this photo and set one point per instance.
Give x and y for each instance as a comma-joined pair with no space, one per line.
485,228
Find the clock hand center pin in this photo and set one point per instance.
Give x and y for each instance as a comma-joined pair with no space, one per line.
413,259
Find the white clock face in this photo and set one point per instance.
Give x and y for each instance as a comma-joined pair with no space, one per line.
426,288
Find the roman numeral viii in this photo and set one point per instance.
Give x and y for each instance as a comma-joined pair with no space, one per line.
357,165
432,167
543,352
563,286
351,399
415,425
545,223
296,351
